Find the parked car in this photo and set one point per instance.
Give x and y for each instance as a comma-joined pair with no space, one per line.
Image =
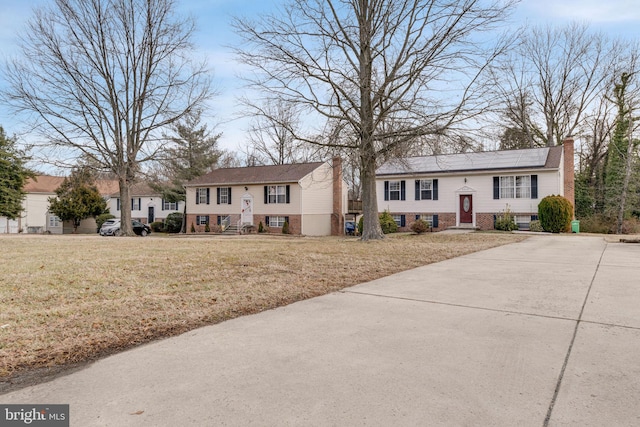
350,228
111,227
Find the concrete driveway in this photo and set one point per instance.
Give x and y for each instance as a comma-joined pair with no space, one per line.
542,332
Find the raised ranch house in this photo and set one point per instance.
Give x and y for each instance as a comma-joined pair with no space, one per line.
147,205
311,197
469,190
36,218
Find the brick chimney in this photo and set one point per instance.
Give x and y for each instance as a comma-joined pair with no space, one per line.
337,219
569,171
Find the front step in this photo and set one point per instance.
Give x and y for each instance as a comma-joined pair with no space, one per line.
232,229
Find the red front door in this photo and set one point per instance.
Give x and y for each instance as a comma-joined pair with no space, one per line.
466,209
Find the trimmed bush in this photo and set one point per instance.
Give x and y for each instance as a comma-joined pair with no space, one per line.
285,228
505,221
535,226
419,226
387,223
173,223
260,227
360,225
193,228
157,226
100,219
555,213
207,229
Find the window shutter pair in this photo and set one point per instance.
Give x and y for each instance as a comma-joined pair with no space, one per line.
434,190
403,190
198,196
287,196
534,187
139,204
228,195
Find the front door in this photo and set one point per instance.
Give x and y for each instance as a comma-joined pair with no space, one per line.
466,209
247,209
151,216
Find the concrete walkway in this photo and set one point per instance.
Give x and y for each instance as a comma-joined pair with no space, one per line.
543,332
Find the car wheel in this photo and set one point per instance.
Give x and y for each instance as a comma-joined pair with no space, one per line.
143,233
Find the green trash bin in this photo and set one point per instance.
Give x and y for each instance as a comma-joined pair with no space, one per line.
575,226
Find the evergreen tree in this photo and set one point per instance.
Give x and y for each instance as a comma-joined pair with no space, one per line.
77,198
13,177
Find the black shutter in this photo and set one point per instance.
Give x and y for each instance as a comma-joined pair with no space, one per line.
534,186
403,220
417,189
118,204
434,188
206,219
495,218
286,219
208,195
288,194
197,196
266,195
162,201
386,190
534,217
417,217
229,195
218,196
139,204
496,187
219,220
403,190
266,220
434,223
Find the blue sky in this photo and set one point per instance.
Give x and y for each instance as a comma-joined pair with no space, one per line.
617,18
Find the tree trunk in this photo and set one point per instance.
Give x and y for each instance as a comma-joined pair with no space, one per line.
371,229
125,208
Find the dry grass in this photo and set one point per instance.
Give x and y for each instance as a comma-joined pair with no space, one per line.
68,299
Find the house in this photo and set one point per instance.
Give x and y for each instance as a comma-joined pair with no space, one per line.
469,190
147,205
310,197
36,218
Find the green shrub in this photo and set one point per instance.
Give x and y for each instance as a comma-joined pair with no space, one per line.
535,226
157,226
100,219
597,223
505,220
173,223
360,225
285,228
260,227
419,226
555,213
387,223
207,229
193,228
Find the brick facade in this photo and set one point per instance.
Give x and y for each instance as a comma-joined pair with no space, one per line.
337,218
569,171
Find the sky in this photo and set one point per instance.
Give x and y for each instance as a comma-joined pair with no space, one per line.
616,18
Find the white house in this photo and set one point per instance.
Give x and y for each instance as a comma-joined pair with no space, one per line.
36,218
469,190
147,205
310,197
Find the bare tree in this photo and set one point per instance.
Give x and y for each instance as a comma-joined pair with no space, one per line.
382,72
103,78
553,78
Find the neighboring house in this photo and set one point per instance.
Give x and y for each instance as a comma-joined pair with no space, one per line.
311,197
36,218
470,190
147,205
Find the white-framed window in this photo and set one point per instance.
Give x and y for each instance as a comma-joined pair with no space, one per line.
523,221
224,196
201,196
169,206
428,219
426,189
277,221
202,219
397,219
54,221
135,204
394,190
515,187
277,194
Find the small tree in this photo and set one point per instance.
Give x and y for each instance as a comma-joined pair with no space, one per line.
387,223
285,228
555,213
77,198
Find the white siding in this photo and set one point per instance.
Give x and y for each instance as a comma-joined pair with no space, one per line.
317,190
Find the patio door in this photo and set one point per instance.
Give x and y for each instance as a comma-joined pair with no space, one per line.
466,209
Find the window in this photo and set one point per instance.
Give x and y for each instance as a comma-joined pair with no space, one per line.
277,194
223,196
202,196
277,221
515,187
394,190
399,220
427,218
202,219
426,189
54,221
169,206
523,221
135,204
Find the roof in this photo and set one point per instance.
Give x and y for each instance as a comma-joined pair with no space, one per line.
49,184
530,158
139,189
257,174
